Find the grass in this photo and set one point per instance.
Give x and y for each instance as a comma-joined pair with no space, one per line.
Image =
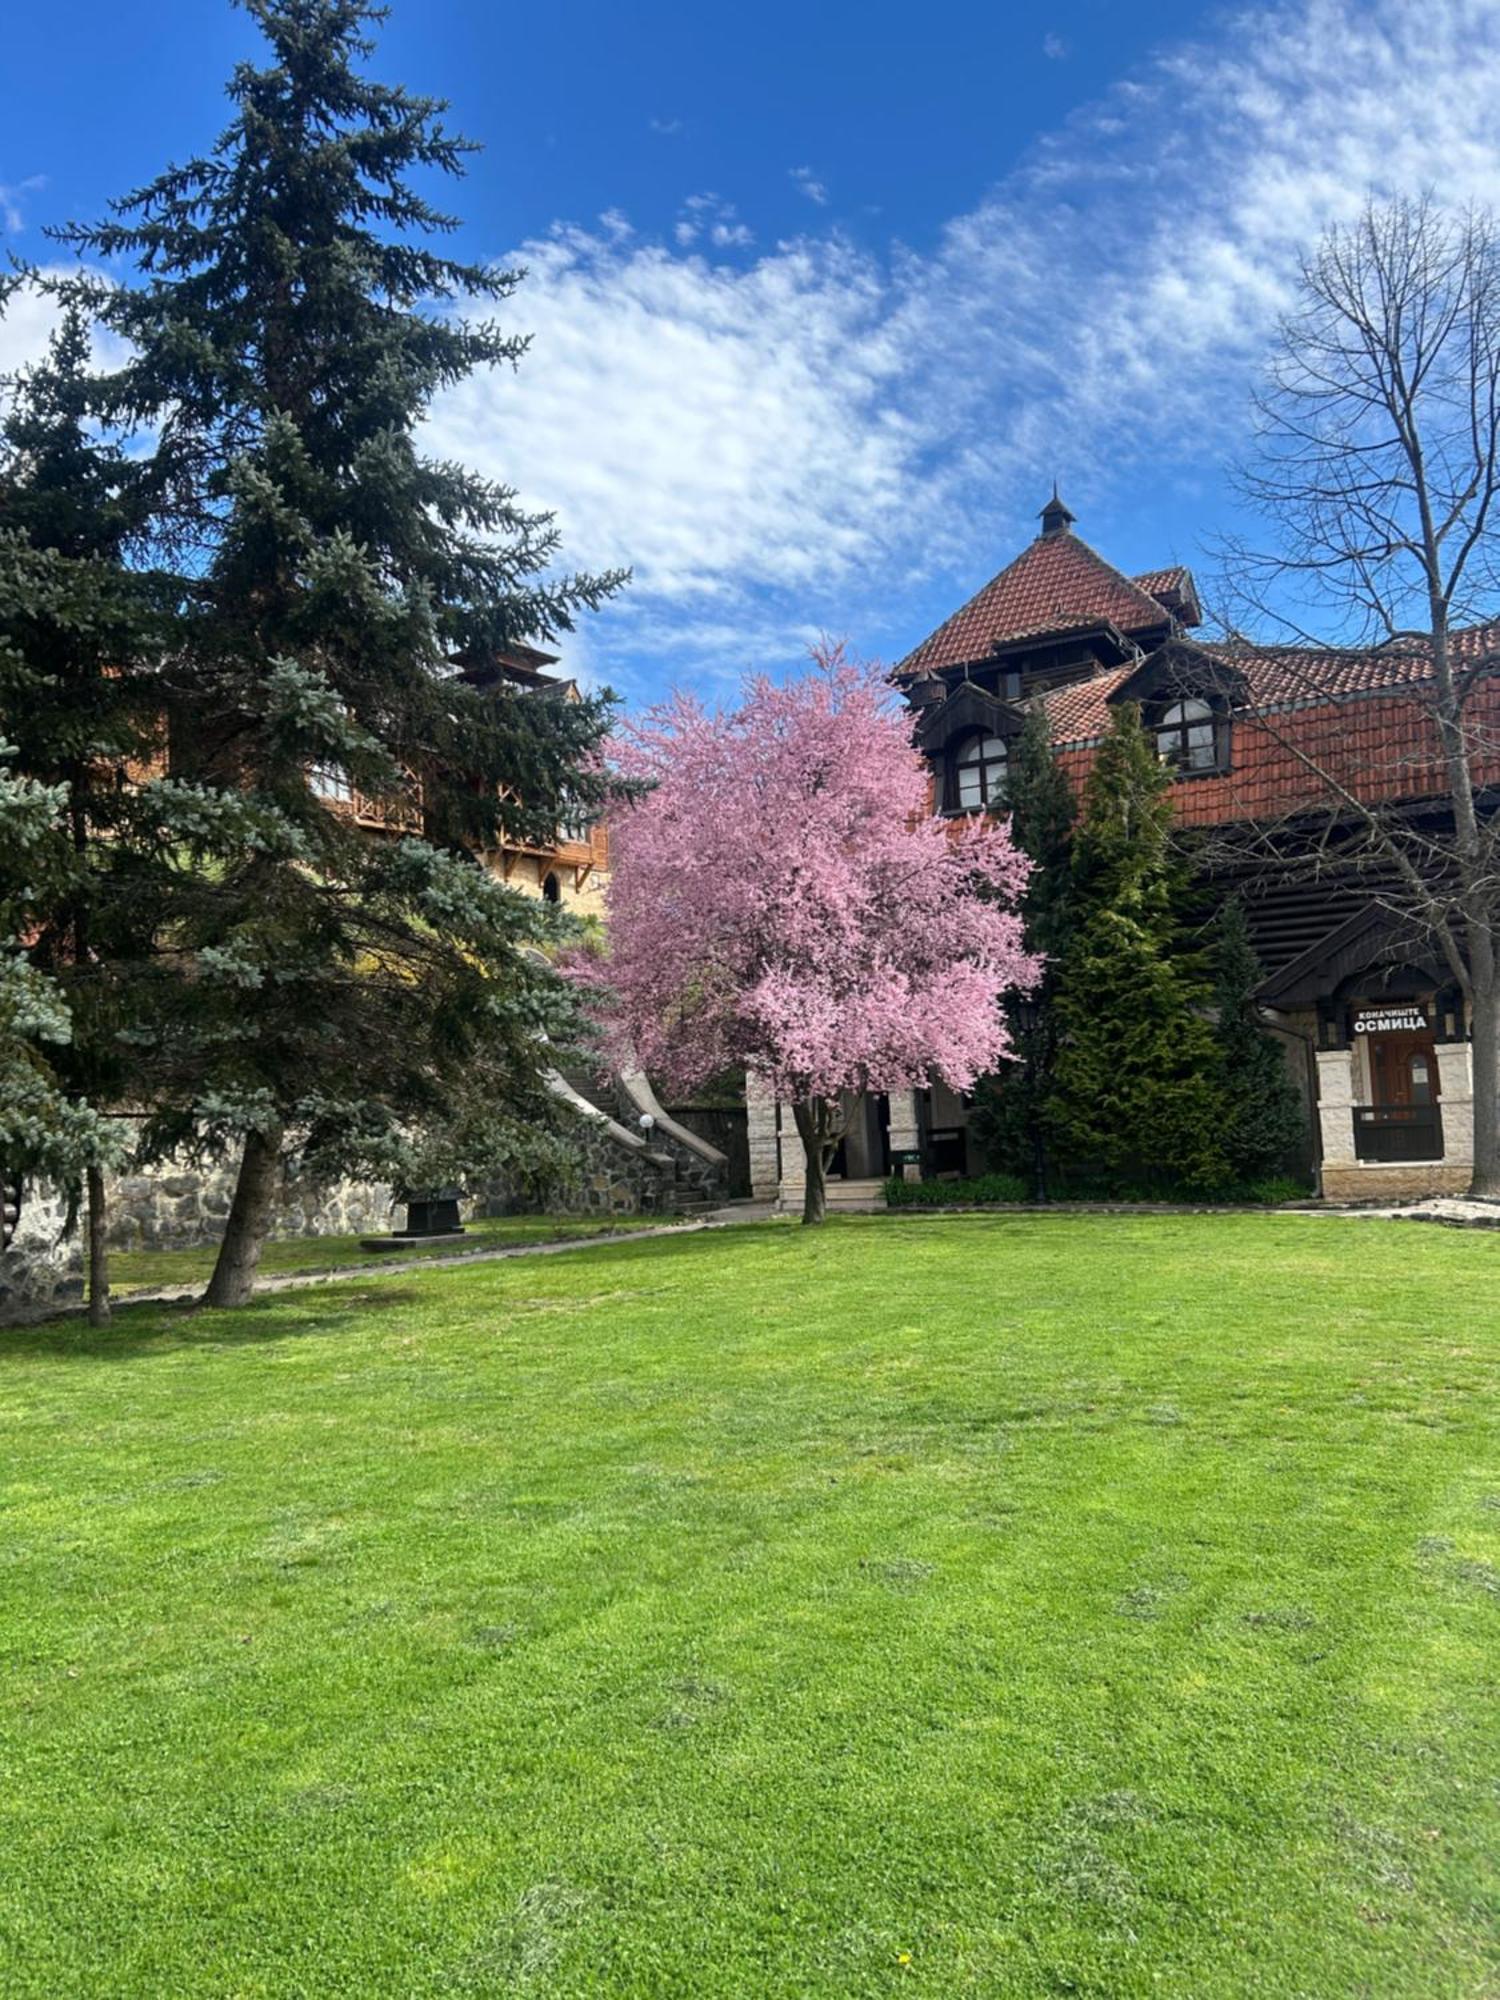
967,1606
146,1270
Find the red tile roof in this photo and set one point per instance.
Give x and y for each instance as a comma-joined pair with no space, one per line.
1156,581
1353,715
1282,677
1056,584
1175,589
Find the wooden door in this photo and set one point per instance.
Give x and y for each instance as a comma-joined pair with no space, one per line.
1403,1070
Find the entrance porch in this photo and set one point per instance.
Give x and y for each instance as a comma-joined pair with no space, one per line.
913,1133
1389,1041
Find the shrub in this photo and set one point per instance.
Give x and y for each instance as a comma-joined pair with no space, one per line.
955,1194
1079,1188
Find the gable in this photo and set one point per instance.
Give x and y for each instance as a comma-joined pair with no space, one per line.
968,707
1056,585
1180,668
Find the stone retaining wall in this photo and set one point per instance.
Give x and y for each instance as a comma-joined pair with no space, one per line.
176,1206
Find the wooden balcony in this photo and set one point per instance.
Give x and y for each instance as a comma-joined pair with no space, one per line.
334,790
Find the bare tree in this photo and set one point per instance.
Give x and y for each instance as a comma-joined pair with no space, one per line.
1377,467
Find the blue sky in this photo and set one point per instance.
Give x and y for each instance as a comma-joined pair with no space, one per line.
824,295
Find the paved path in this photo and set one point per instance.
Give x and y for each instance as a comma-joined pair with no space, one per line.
383,1267
1456,1211
1452,1211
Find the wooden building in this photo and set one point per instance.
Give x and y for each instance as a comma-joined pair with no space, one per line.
569,869
1374,1029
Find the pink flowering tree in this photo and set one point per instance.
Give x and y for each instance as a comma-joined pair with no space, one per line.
784,898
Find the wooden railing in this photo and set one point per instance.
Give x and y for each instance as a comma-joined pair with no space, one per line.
1397,1132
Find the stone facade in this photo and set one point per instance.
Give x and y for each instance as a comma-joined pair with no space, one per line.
577,880
1342,1086
1368,1181
778,1170
763,1129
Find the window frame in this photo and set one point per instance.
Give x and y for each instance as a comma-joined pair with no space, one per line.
991,796
1172,728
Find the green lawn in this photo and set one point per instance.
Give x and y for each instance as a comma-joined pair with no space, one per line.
968,1606
146,1270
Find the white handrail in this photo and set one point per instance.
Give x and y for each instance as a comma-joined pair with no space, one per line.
637,1087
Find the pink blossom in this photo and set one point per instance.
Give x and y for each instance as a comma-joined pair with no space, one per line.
785,898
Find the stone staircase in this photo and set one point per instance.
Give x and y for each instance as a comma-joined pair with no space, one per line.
674,1177
855,1197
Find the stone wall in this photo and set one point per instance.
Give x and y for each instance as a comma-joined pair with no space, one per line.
42,1267
178,1205
617,1180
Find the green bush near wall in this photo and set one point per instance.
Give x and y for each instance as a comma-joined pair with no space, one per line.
990,1188
955,1194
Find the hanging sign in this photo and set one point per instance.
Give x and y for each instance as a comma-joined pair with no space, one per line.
1410,1019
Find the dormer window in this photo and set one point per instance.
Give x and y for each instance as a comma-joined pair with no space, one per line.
979,767
1191,737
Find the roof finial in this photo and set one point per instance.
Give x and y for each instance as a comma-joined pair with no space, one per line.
1056,518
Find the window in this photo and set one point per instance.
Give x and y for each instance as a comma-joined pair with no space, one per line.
331,781
1187,736
551,892
978,772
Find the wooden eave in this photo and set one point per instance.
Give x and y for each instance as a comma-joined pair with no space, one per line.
969,706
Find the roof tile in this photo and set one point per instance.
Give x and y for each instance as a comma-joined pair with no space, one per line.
1056,584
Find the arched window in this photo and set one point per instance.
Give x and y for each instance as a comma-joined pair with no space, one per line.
978,771
1187,736
551,892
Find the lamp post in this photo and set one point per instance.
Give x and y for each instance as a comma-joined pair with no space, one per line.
1028,1015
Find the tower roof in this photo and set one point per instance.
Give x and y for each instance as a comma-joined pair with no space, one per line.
1056,585
1056,517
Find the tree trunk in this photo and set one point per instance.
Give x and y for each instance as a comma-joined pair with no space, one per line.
819,1122
98,1249
233,1280
1484,1054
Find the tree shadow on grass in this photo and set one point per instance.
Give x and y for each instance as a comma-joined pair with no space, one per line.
144,1328
141,1332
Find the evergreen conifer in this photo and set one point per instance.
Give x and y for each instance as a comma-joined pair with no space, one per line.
331,985
1136,1093
1010,1107
1265,1127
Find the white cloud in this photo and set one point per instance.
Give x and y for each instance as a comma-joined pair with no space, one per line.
809,437
26,325
811,186
714,220
1054,48
12,202
667,127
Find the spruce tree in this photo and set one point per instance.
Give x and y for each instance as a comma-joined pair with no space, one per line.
331,987
80,633
1265,1126
1136,1094
1010,1107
